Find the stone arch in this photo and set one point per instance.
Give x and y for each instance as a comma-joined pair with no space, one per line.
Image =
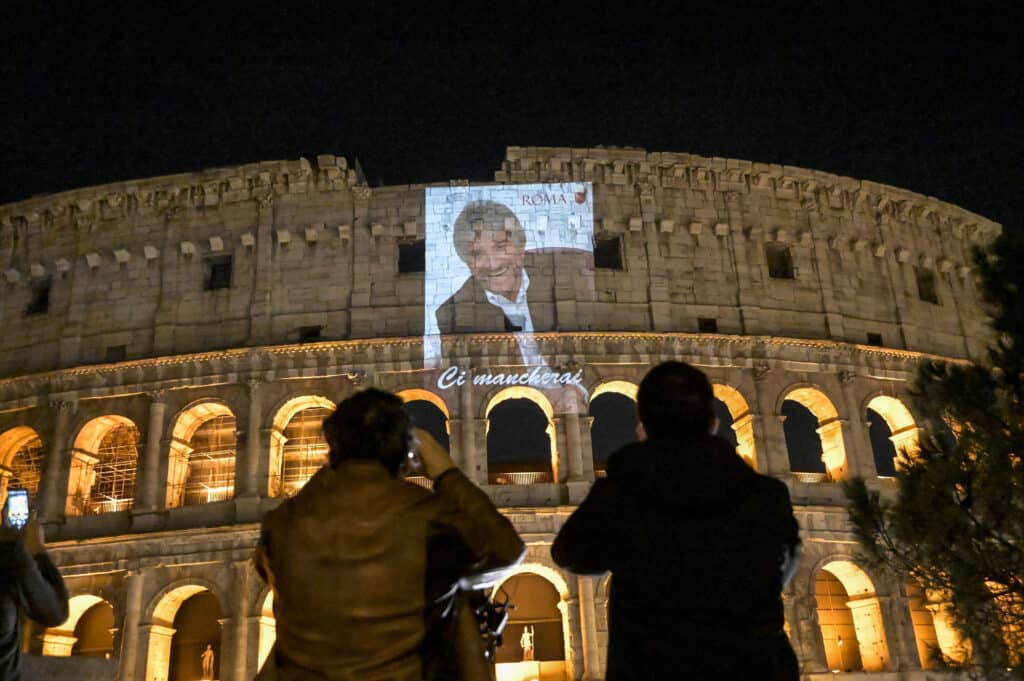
104,458
561,587
609,421
160,616
411,394
282,481
625,388
539,399
60,640
862,603
21,460
742,420
201,474
902,426
829,430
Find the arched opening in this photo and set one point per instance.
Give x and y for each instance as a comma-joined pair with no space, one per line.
814,436
94,632
850,619
103,465
88,630
535,641
21,461
519,443
196,634
426,415
893,433
614,426
297,445
735,422
204,444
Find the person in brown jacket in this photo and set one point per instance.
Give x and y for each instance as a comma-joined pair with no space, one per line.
363,564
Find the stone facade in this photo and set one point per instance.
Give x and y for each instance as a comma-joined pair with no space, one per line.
126,265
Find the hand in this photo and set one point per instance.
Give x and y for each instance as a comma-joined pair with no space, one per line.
433,456
32,536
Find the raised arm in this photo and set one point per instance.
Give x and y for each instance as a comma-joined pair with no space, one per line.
41,589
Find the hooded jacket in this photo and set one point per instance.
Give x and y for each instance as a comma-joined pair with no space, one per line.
695,541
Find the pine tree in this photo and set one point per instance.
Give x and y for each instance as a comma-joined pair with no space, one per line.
956,524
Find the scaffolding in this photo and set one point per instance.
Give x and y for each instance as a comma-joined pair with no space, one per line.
112,485
304,451
211,463
26,467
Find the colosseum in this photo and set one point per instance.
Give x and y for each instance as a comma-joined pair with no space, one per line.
172,343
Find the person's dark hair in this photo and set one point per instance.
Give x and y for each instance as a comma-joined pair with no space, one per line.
674,399
372,424
485,216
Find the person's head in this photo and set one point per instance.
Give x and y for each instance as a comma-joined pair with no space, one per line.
490,240
372,424
674,400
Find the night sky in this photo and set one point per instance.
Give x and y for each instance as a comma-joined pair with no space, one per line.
926,101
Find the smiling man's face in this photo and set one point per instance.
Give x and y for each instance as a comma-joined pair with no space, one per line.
495,257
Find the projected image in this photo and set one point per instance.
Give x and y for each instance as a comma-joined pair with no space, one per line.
497,260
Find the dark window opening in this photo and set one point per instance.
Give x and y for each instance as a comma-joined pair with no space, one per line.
218,275
875,339
116,353
412,256
608,253
707,325
308,334
780,262
882,448
926,285
614,426
803,444
40,301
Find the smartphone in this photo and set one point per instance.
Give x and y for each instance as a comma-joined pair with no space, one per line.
16,509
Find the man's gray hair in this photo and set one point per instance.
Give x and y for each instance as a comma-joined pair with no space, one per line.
485,216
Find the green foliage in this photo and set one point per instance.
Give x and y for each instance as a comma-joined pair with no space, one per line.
956,525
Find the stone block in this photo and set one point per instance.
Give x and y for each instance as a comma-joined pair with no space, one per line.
93,260
187,248
12,275
121,256
248,240
37,270
150,252
216,244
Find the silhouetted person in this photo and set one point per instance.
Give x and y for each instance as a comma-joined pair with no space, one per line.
363,564
698,544
30,585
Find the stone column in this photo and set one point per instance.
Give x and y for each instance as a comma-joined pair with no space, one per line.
574,662
259,310
130,653
588,628
859,454
805,632
772,448
574,452
248,472
833,448
455,442
248,489
150,498
870,628
57,465
157,640
560,456
899,631
237,640
472,454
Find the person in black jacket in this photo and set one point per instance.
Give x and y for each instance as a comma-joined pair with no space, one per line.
29,583
699,545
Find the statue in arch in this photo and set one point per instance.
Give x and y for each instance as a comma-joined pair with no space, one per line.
207,658
526,642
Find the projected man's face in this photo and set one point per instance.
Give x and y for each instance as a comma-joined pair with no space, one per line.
496,260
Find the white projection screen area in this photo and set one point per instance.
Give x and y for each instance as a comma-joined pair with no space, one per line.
512,259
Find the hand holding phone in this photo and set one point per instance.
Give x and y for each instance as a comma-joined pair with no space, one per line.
16,510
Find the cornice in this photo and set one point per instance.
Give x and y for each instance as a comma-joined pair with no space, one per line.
353,359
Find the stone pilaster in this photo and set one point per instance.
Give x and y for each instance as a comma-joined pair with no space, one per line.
57,465
574,661
150,498
131,656
588,628
248,489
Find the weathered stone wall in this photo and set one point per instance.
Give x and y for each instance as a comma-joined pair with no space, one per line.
310,247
